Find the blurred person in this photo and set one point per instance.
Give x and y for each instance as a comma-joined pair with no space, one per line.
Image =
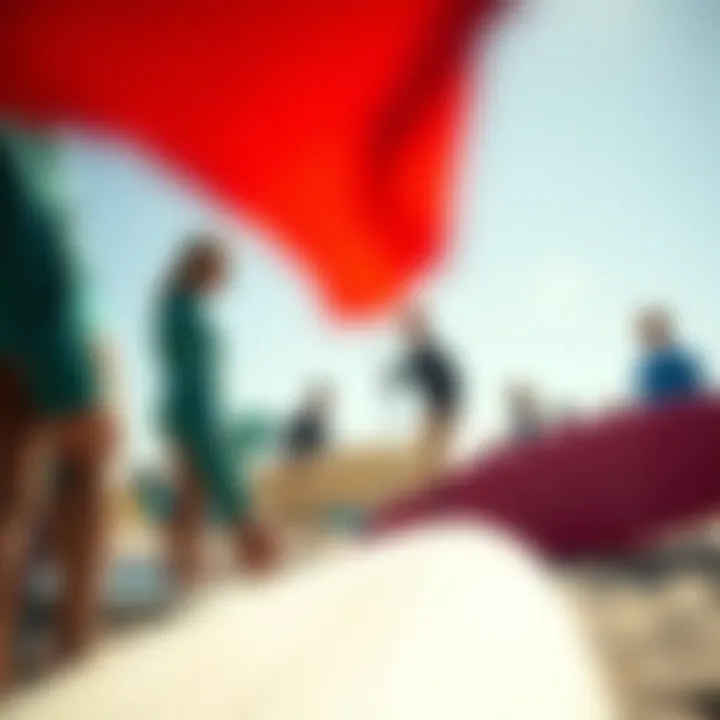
524,412
348,482
432,371
194,422
567,417
667,371
304,441
562,420
308,431
52,409
308,438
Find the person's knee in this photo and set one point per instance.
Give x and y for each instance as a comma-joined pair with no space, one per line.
17,499
82,490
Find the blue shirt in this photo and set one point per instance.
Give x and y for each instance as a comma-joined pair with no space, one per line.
669,374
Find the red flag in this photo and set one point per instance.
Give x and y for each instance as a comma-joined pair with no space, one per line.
331,122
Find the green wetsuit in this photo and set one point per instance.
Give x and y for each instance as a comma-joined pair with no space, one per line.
250,437
192,414
43,312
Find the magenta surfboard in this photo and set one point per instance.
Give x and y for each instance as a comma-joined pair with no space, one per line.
595,488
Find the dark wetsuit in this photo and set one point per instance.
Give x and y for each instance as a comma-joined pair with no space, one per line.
434,374
306,435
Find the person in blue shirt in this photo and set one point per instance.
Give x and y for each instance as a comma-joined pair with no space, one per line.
668,371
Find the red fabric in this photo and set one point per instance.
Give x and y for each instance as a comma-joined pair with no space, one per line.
331,122
595,489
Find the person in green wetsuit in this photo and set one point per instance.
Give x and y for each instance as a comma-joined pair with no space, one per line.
51,405
194,420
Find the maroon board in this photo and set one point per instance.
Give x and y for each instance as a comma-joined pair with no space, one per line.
596,488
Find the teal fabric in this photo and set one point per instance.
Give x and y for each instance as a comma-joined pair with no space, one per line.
41,327
192,412
211,455
250,437
188,353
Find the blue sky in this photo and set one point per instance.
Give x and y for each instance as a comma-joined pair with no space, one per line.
591,185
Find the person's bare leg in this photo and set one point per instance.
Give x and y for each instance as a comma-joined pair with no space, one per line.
81,541
19,458
434,446
186,528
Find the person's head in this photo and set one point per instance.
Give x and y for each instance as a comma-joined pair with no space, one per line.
319,398
522,401
204,265
654,328
415,325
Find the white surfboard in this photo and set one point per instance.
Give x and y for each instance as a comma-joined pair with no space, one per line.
447,623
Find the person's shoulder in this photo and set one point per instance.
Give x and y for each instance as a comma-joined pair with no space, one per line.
177,301
684,355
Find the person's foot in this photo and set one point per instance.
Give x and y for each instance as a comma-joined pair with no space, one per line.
73,644
256,548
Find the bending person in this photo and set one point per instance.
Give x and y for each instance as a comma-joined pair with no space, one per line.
194,421
50,390
430,369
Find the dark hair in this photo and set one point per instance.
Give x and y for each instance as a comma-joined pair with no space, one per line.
200,250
